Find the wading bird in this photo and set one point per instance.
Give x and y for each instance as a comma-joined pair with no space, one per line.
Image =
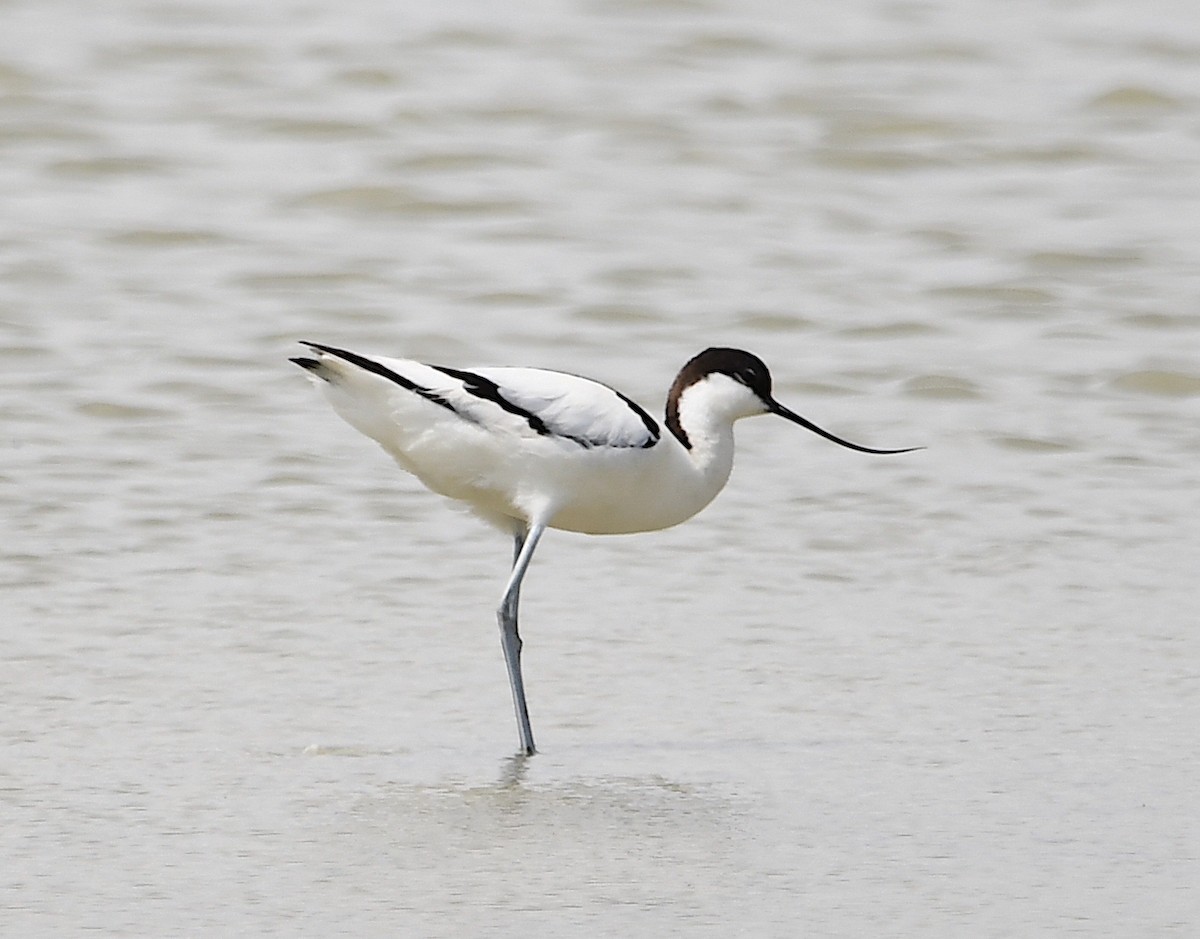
529,449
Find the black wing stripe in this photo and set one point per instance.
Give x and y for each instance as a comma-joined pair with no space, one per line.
651,423
371,365
488,390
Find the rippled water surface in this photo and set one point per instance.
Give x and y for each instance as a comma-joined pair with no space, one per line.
251,682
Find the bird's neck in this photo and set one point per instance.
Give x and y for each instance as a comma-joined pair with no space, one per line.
706,436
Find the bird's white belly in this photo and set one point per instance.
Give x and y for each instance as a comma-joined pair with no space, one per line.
599,491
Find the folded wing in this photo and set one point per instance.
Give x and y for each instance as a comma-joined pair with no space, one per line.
553,404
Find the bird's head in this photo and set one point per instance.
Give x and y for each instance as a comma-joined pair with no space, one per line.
732,384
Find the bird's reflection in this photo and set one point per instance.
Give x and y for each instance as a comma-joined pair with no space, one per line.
513,770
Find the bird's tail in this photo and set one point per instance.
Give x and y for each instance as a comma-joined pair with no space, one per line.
311,365
325,364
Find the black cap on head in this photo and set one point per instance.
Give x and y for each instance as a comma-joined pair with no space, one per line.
741,366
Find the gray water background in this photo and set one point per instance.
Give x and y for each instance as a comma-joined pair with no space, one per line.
251,682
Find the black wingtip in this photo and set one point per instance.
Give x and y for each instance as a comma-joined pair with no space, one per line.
330,350
311,364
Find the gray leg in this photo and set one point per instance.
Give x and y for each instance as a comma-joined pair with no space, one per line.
524,542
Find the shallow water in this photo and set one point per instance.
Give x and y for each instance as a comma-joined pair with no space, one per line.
251,679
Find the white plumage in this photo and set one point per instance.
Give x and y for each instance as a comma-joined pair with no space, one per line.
529,449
